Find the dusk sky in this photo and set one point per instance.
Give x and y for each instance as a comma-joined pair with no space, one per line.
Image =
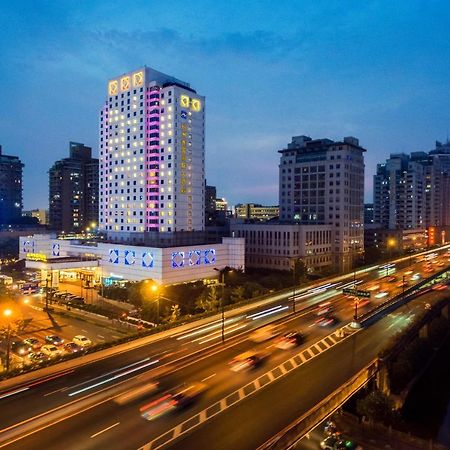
377,70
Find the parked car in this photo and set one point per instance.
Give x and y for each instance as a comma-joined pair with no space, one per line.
82,341
33,343
54,339
20,348
71,347
50,350
37,357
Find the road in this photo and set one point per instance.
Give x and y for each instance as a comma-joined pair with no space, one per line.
124,428
117,372
245,425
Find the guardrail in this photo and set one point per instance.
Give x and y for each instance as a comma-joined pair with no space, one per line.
288,437
398,300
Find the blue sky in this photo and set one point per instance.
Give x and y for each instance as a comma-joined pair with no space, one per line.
377,70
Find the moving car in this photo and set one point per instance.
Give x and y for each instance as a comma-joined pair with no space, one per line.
326,321
50,350
263,334
54,339
290,340
246,361
180,399
32,342
82,341
71,347
324,308
136,393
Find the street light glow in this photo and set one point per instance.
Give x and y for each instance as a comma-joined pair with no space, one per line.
7,312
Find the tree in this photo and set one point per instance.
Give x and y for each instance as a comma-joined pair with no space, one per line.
175,313
237,294
376,407
300,271
209,300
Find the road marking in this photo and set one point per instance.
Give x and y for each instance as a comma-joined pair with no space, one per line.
106,429
207,378
17,391
84,331
100,336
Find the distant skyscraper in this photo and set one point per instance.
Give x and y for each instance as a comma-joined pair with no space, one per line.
412,191
252,211
10,188
210,205
322,182
368,213
152,156
73,190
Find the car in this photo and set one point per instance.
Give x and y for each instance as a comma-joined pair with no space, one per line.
264,334
324,308
246,361
326,321
415,277
346,444
20,348
136,393
328,443
82,341
76,301
171,401
71,347
390,279
373,287
50,350
439,287
37,357
381,294
290,340
54,339
33,343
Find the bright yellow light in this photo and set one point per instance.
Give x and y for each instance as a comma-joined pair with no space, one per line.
138,79
391,242
196,105
125,83
113,87
184,101
154,288
7,312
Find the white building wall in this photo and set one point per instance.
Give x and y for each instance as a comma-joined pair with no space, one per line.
135,263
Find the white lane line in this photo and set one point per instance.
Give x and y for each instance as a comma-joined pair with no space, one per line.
106,429
208,378
100,336
84,331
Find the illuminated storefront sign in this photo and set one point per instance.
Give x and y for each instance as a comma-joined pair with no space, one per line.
193,258
37,257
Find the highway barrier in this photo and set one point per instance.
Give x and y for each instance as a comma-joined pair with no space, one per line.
288,437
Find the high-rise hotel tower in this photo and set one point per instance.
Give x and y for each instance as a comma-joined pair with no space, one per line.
152,156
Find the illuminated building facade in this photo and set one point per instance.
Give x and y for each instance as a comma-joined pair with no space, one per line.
10,188
152,156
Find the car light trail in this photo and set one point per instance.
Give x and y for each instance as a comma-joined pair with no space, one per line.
202,330
17,391
268,312
218,334
115,377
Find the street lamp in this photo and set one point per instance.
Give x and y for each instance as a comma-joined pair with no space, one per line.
222,283
8,313
155,288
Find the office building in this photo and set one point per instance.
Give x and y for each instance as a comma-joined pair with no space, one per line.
322,183
73,191
152,157
278,245
255,212
10,188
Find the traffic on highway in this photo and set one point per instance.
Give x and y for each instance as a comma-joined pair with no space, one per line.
159,394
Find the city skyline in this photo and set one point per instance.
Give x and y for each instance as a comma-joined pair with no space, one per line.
339,78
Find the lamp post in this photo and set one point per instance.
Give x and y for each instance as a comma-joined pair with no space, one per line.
7,313
155,288
355,315
222,283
